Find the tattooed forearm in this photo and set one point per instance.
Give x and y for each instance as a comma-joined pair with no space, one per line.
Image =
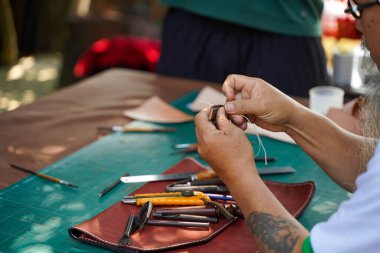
275,233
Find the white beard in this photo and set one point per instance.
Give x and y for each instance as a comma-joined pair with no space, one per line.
371,116
371,109
368,64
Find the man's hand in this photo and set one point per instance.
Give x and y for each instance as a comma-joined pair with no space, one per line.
264,105
269,108
225,147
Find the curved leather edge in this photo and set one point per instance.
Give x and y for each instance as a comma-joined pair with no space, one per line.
308,188
86,236
311,190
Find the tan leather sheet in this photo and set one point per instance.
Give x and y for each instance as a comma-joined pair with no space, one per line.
156,110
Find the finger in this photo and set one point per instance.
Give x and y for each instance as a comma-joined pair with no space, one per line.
234,84
244,126
229,87
222,122
237,119
241,106
202,122
252,119
238,95
197,135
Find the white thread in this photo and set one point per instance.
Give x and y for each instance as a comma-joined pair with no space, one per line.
261,145
207,103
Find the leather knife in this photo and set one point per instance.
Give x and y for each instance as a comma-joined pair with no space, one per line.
200,176
164,177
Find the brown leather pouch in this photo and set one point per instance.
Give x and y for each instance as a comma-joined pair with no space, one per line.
106,228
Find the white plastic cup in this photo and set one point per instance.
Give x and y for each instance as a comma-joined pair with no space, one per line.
322,98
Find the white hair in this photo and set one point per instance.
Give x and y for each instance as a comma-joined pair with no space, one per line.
370,112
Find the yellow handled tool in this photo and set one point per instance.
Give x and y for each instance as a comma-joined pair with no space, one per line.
185,198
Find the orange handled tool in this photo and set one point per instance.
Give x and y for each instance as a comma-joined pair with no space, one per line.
185,198
207,174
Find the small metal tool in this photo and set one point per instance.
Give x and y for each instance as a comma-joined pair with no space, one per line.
220,197
107,189
136,129
143,219
204,211
163,177
188,224
186,217
126,238
201,188
47,177
201,175
143,216
185,148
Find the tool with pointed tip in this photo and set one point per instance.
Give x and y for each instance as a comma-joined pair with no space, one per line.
110,187
129,129
38,174
204,211
126,238
207,174
163,177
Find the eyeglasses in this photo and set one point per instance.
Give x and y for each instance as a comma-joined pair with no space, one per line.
356,9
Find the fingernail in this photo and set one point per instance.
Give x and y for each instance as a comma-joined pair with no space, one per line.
229,107
221,111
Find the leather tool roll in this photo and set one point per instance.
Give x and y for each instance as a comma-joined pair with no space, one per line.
106,228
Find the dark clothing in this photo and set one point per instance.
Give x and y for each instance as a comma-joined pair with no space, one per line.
201,48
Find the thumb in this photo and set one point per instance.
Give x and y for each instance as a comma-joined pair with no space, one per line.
223,123
239,106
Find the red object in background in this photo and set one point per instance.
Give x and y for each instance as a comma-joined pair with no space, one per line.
346,28
129,52
336,23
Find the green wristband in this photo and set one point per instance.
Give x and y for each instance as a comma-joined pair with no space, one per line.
306,246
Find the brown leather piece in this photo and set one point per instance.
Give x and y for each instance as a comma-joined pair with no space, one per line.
106,228
158,111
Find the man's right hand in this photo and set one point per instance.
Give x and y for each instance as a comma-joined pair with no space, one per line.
271,109
264,105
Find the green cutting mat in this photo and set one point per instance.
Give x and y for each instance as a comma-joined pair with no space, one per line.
35,214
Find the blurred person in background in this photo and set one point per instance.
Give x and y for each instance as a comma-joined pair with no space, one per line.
352,161
279,41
